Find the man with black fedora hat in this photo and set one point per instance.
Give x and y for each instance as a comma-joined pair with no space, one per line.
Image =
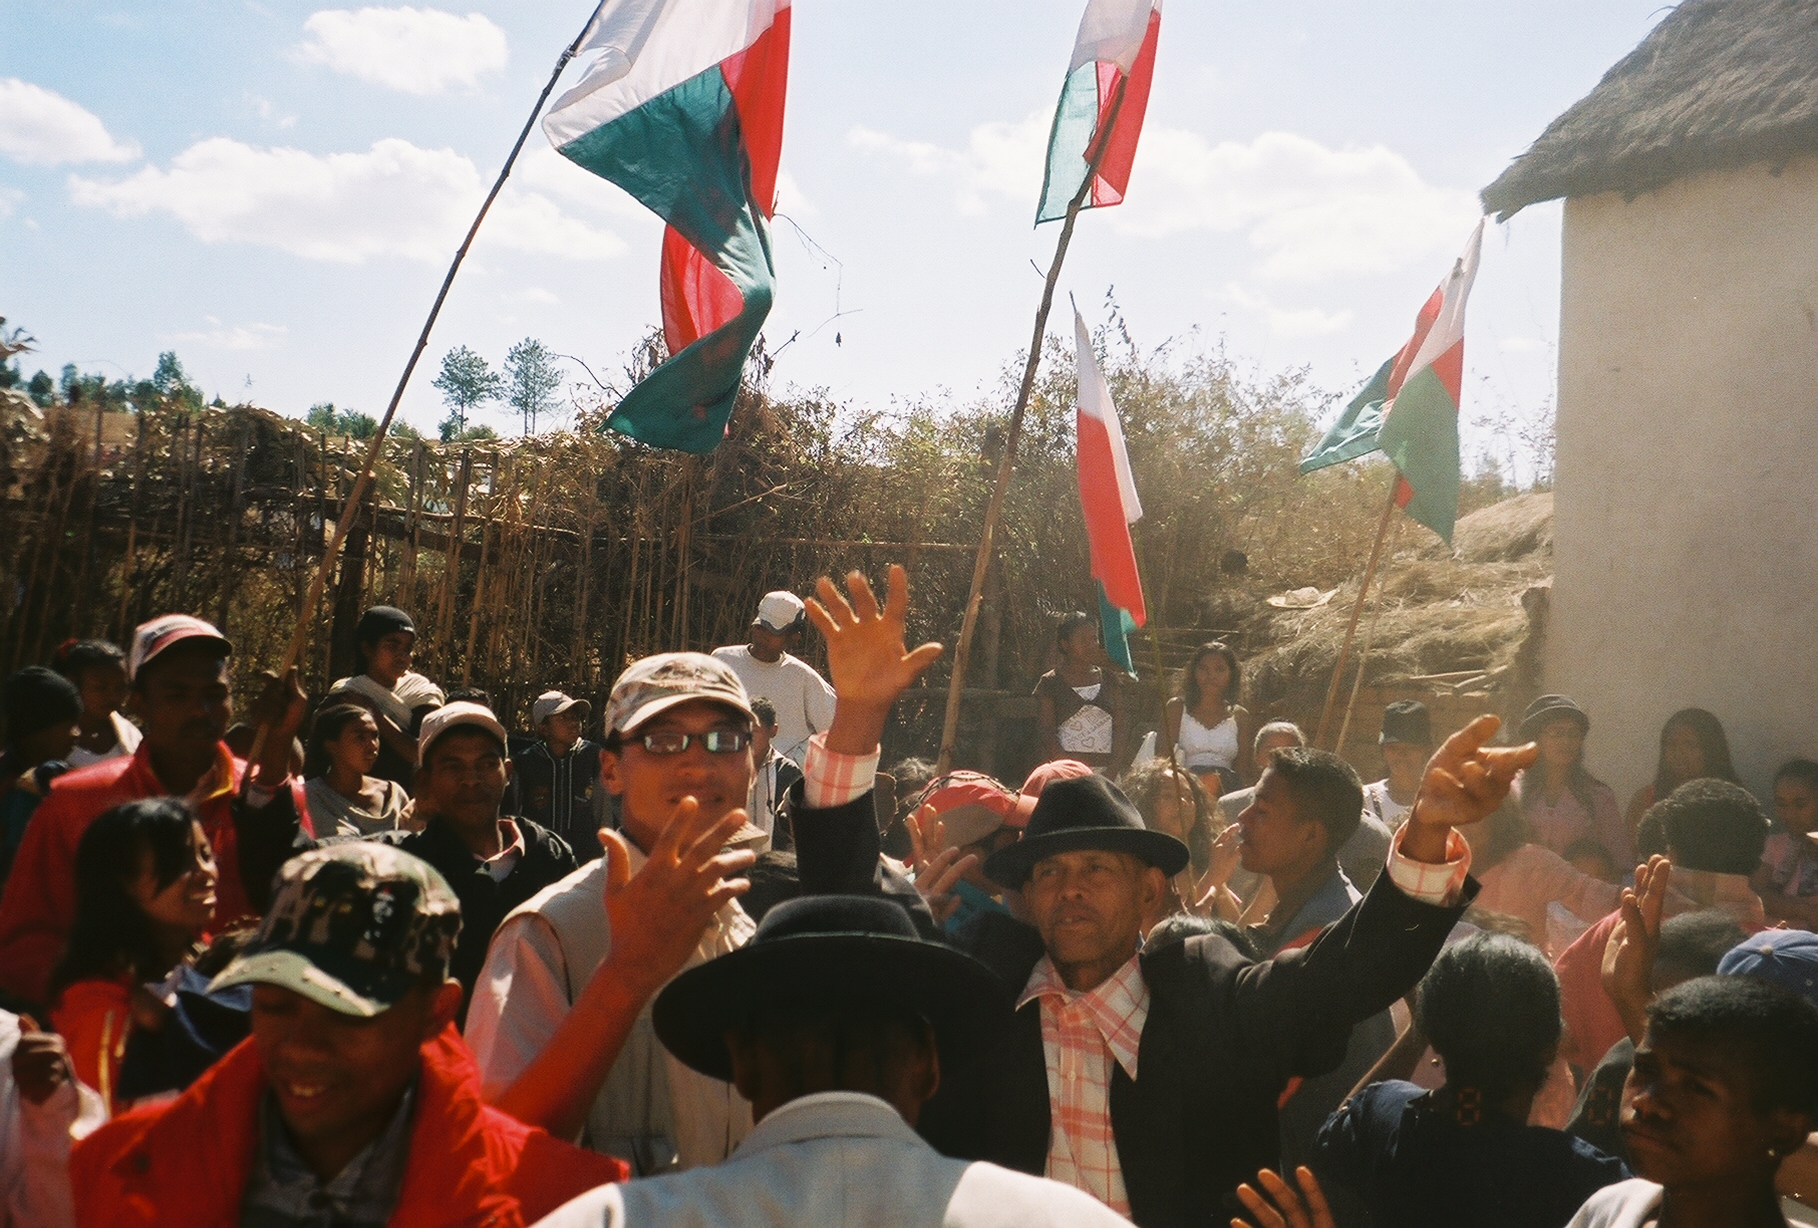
1151,1078
835,1021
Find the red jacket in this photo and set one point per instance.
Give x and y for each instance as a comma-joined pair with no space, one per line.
39,905
188,1161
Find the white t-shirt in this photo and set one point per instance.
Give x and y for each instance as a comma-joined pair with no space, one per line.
1379,804
803,700
126,741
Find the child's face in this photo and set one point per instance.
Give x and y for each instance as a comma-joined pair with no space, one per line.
1690,1119
1795,806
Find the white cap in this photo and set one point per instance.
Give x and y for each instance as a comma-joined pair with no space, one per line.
554,703
780,610
451,716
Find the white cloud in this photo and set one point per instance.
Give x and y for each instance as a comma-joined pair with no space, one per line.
46,129
416,51
10,200
1309,212
1290,321
345,208
536,294
238,337
268,113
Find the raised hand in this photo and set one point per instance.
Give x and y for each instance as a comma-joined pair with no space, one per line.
1628,957
866,656
279,712
1465,781
659,914
1290,1208
40,1062
936,875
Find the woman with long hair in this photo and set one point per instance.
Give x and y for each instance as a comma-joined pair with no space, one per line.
1562,802
145,893
343,746
1693,746
1174,802
1207,723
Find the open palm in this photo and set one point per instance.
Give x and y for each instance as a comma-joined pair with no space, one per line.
866,656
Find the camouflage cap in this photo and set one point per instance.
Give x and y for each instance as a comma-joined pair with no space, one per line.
353,927
659,683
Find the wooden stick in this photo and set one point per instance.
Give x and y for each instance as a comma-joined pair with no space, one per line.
1363,591
963,652
1363,658
132,531
344,522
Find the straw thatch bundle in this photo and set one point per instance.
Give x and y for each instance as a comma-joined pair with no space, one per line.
1717,84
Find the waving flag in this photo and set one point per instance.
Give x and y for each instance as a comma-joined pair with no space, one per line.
1102,103
683,108
1107,495
1409,409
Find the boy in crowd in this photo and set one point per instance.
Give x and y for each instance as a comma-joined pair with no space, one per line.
802,698
183,694
558,777
385,638
354,1097
98,670
1407,743
772,780
42,709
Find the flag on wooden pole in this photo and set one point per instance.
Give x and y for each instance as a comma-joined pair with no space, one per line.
1409,409
1114,51
683,108
1107,496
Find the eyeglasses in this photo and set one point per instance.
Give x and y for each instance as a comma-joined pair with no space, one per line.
717,741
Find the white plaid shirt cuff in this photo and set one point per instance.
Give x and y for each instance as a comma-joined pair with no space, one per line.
831,779
1440,884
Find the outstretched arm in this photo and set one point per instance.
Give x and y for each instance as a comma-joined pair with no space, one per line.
1466,780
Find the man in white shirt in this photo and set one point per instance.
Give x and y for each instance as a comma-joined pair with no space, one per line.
803,699
560,1022
1407,744
834,1020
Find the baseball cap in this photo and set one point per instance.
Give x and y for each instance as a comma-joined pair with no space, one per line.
1789,958
166,632
657,684
1044,775
780,610
452,716
353,927
970,805
554,703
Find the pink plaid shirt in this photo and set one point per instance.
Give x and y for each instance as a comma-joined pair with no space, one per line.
831,779
1082,1033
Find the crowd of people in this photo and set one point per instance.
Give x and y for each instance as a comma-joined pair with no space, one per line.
373,957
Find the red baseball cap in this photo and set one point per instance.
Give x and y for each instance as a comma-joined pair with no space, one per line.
166,632
970,806
1044,775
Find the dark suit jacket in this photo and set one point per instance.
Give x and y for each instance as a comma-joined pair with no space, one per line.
1224,1034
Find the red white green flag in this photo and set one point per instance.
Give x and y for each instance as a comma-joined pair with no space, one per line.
1101,104
1107,496
1409,409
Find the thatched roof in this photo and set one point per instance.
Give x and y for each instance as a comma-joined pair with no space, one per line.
1719,83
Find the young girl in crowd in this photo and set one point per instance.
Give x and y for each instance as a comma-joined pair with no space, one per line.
145,892
1465,1154
1692,747
1560,799
1724,1087
1080,703
98,669
343,800
1787,881
1206,722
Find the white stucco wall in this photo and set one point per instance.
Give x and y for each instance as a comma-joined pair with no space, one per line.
1686,540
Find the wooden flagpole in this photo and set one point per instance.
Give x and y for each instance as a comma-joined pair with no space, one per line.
1363,592
962,654
351,507
1363,658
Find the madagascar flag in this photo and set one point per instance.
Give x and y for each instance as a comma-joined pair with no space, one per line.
1113,54
683,108
1409,409
1107,495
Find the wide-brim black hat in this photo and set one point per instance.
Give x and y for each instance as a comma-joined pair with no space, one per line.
840,950
1549,708
1085,813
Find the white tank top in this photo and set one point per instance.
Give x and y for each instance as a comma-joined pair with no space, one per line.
1205,749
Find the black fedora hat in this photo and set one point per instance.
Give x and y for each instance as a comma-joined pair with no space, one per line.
1085,813
1548,708
837,949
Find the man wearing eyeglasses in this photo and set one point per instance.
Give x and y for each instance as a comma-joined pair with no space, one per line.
560,1021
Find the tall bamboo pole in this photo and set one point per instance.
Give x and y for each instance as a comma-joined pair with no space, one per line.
963,652
344,522
1363,592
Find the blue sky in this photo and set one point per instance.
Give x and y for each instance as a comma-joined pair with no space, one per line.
273,190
